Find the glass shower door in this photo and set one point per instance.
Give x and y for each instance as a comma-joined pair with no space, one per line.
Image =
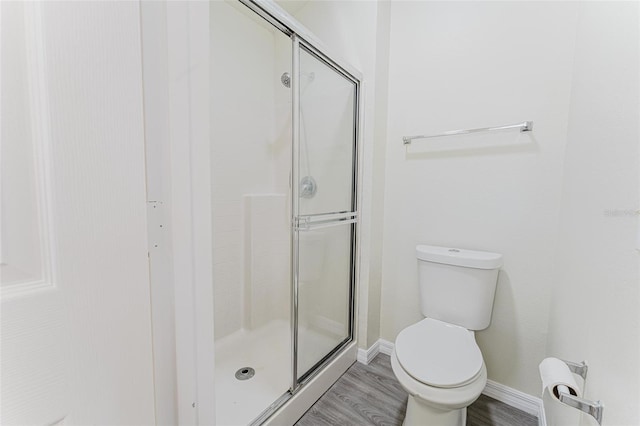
251,227
325,209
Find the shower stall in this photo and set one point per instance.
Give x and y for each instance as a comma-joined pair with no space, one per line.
284,133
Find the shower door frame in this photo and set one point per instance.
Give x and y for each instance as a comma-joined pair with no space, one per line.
324,219
302,38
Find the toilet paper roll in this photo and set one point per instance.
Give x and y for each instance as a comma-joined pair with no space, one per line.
555,375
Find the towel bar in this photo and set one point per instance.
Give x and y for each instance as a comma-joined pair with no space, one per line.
525,126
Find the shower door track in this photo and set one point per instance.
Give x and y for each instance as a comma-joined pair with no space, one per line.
303,39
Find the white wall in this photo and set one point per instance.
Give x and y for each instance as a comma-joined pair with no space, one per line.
189,168
474,64
95,86
595,308
378,173
158,163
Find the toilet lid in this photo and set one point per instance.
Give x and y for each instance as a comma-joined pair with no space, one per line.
438,354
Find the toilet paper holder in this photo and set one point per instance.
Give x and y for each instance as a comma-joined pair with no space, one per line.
593,408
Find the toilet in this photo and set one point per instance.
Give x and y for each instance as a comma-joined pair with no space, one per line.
437,360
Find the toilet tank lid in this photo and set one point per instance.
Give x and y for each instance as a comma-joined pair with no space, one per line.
459,257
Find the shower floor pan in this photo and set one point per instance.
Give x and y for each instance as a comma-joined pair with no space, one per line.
266,350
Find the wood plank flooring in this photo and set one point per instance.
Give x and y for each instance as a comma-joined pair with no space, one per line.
371,395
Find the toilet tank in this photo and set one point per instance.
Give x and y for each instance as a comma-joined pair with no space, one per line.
457,285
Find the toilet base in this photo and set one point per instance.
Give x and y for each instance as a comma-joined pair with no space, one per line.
420,414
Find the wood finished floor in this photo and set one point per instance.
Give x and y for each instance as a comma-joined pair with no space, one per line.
371,395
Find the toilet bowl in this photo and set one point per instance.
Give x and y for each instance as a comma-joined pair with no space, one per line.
437,360
441,368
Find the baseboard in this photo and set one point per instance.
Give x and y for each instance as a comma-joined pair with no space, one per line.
542,418
512,397
365,356
515,398
386,347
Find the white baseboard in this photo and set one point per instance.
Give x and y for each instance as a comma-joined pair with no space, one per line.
386,347
520,400
365,356
512,397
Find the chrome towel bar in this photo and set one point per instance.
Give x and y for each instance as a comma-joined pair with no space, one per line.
526,126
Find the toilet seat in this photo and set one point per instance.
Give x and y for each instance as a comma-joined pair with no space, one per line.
439,354
439,398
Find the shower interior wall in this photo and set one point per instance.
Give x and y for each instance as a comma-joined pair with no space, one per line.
251,156
251,165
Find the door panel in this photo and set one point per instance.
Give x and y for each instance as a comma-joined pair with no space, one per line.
324,281
76,345
327,132
326,217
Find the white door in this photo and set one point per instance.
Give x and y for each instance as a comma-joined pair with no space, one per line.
76,329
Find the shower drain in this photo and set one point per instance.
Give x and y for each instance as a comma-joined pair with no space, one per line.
245,373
